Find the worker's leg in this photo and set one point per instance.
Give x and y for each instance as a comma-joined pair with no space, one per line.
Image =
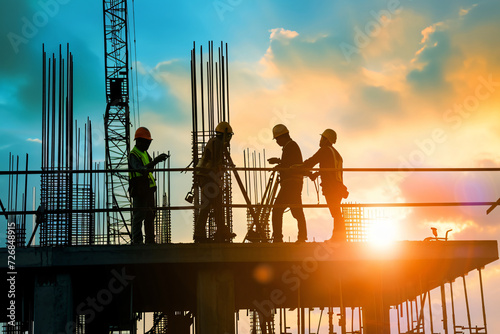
295,193
209,191
149,219
333,200
200,233
218,209
137,218
223,233
277,216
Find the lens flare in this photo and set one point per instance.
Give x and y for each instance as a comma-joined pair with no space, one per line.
382,232
263,273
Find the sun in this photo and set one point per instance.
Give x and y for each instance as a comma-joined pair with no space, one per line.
382,232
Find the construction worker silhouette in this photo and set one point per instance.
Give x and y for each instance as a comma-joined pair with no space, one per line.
142,186
209,173
332,183
290,185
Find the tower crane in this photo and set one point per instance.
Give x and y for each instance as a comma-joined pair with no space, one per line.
117,117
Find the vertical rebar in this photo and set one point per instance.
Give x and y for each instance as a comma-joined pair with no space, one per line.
260,177
9,192
360,320
222,80
443,306
25,200
91,233
61,112
342,308
430,312
352,319
467,303
44,101
246,172
408,315
227,85
217,92
202,100
398,316
482,299
17,188
452,307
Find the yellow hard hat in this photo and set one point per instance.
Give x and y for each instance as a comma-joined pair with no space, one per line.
330,135
143,132
279,130
223,127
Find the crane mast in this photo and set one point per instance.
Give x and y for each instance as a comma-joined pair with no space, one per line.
116,118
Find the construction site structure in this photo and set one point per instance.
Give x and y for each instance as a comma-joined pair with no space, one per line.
77,279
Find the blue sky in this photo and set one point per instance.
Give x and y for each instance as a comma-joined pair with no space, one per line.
404,83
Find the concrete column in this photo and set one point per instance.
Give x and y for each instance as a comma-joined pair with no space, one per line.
376,314
53,304
215,302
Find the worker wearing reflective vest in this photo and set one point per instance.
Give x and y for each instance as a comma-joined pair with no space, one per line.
142,187
209,173
332,182
291,183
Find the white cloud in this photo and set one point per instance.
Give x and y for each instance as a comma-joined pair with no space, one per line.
34,140
280,33
465,11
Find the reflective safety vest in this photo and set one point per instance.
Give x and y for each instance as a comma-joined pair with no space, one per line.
337,160
144,157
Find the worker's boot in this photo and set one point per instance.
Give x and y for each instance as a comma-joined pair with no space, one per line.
200,238
223,234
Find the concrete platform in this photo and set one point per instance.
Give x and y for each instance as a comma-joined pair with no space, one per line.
225,277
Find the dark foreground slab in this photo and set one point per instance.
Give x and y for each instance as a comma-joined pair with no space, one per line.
164,277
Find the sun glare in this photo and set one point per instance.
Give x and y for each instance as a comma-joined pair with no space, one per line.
382,232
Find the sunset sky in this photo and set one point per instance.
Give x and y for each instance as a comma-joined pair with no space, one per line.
405,84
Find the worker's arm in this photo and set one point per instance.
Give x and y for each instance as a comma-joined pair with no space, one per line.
135,163
311,162
274,160
314,160
162,157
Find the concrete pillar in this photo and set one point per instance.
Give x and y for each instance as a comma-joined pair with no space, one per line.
215,302
53,304
376,314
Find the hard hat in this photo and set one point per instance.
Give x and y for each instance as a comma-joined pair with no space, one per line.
279,130
223,127
143,132
330,135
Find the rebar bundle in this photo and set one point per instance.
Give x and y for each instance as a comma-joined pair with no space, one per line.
358,221
210,105
61,193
